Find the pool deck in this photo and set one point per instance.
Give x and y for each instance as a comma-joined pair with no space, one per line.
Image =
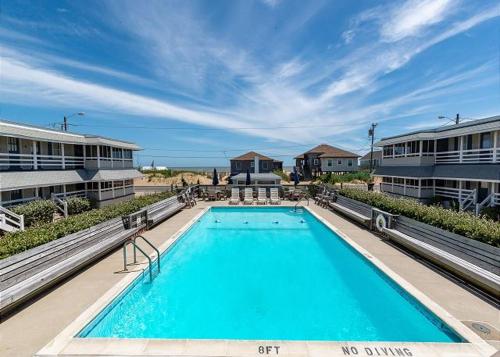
33,326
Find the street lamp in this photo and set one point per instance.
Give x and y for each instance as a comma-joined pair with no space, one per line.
65,123
457,118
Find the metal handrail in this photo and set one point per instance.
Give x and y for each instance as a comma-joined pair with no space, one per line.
151,245
142,251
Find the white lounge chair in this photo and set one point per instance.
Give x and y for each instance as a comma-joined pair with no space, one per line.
262,196
235,196
275,197
248,199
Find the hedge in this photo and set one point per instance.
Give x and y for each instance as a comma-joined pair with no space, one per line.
36,212
78,205
13,243
464,223
330,178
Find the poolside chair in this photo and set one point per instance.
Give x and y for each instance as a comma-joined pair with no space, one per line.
235,196
262,196
248,199
275,197
211,194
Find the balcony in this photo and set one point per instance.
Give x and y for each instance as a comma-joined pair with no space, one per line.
19,162
39,162
407,190
491,155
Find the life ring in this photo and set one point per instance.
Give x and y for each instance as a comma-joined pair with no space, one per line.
380,222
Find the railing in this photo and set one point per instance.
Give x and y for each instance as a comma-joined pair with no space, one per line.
19,200
10,221
465,197
61,205
31,161
80,193
492,200
467,156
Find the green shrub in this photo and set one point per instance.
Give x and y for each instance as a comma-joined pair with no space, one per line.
36,212
78,205
464,223
20,241
330,178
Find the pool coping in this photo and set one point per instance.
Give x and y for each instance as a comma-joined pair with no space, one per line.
65,344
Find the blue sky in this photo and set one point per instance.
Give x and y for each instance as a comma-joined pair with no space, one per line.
213,79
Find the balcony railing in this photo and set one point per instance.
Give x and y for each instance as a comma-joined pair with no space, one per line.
33,162
468,156
30,161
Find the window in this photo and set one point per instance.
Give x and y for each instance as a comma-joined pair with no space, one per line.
92,185
252,163
264,165
427,183
339,162
428,147
486,141
399,180
413,147
105,151
238,165
91,151
13,145
399,149
129,182
106,184
388,150
411,182
118,184
127,154
329,163
349,162
316,161
16,194
117,153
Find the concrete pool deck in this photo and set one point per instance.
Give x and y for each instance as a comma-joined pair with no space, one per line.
33,326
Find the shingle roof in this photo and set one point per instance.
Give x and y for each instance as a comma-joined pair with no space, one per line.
259,176
251,155
376,155
326,150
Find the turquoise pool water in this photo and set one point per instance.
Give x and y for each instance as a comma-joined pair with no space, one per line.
266,273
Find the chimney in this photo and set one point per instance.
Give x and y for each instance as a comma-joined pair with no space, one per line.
256,164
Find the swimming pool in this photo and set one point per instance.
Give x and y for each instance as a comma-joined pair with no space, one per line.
266,273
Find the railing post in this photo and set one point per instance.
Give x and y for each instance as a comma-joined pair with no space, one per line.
35,160
98,157
461,149
495,145
460,203
62,157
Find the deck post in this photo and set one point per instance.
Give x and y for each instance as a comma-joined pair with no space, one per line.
461,148
35,159
62,157
495,145
461,206
98,158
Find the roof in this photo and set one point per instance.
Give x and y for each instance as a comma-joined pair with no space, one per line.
14,180
376,155
468,127
325,150
259,176
465,171
251,156
32,132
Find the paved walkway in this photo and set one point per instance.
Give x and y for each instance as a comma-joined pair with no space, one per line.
32,327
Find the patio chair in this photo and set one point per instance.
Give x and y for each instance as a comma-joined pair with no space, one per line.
262,196
211,193
235,196
275,197
248,199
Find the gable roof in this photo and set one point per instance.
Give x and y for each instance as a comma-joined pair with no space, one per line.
251,155
377,154
325,150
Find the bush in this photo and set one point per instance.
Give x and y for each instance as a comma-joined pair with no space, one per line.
332,179
464,223
20,241
78,205
36,212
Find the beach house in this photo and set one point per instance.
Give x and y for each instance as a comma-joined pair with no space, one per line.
325,158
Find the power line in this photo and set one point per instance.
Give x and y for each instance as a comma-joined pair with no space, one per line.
205,129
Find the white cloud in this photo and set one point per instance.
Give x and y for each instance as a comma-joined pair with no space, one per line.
414,16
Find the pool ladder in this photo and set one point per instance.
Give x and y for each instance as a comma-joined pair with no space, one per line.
298,202
138,248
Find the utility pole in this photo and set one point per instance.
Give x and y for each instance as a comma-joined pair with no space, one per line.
457,119
371,133
65,123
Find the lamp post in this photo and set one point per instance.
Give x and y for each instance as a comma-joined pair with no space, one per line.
65,122
457,118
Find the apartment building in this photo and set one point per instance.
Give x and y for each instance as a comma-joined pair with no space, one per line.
325,158
39,163
459,163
